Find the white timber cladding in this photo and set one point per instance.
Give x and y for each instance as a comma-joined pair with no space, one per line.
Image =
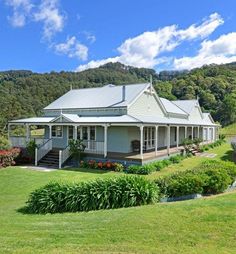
195,114
146,105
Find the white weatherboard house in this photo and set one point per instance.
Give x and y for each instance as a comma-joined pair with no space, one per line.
128,123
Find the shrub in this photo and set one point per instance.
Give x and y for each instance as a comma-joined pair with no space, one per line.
233,145
118,167
7,157
211,177
215,180
4,143
30,147
111,193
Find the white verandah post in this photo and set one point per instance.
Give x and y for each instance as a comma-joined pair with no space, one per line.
27,133
185,132
168,140
75,132
156,139
177,136
198,131
141,141
105,141
192,132
50,131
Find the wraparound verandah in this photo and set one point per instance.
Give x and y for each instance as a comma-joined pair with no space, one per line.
114,140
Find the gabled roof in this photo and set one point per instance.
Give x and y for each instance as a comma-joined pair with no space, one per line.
100,97
172,108
208,117
186,105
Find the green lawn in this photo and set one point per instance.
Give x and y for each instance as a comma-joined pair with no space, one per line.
229,130
200,226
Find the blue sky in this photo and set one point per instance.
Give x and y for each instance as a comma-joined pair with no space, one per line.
73,35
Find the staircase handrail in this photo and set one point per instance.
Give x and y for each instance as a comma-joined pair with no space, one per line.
42,150
64,155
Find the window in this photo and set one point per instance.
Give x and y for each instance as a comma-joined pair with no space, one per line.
85,133
92,133
71,132
78,133
57,131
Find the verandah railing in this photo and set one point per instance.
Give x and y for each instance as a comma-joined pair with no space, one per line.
94,147
64,155
21,141
42,150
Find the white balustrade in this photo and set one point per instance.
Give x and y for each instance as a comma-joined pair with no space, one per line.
40,152
94,147
64,155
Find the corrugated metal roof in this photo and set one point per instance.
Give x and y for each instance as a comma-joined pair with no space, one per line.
34,120
118,120
186,105
101,97
171,107
174,121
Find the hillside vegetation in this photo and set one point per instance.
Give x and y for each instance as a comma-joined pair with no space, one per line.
25,94
229,130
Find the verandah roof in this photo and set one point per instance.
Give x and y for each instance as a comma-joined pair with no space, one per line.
123,119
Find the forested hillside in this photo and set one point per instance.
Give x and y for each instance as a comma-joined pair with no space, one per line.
24,93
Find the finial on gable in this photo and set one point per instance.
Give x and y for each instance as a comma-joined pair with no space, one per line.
150,83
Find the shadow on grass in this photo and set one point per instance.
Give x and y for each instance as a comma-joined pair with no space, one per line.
87,170
24,210
229,156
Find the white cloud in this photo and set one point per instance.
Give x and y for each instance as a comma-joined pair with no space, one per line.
51,17
219,51
144,50
72,48
206,28
21,9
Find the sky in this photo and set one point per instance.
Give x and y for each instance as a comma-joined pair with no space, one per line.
74,35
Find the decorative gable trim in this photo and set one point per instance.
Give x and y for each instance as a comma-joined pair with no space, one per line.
153,92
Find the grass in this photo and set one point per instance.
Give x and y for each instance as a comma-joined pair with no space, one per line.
200,226
223,152
229,130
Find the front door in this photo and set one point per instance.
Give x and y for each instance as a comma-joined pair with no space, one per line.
149,138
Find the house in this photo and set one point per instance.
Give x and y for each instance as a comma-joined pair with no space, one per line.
129,123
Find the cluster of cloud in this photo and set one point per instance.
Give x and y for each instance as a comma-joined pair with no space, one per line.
47,12
221,50
145,49
72,48
53,19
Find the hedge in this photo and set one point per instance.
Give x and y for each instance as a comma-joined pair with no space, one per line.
211,177
125,191
153,166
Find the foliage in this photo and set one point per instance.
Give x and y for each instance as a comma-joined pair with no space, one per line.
76,148
153,166
107,165
4,143
233,144
94,195
212,145
188,145
7,157
30,147
211,177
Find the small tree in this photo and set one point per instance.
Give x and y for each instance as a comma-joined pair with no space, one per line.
187,143
77,149
4,143
197,142
30,147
